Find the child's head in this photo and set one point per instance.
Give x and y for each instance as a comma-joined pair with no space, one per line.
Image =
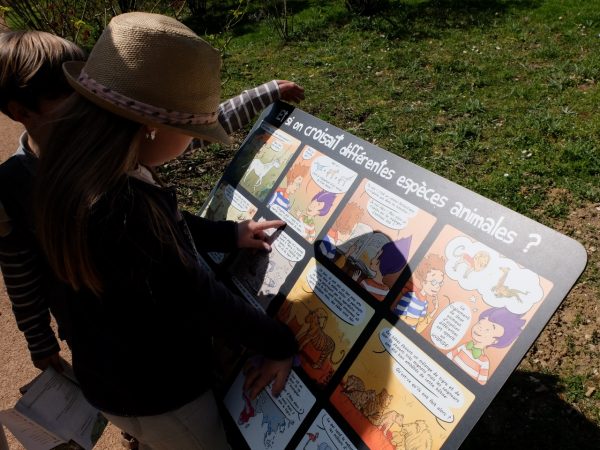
149,84
431,274
347,221
497,327
321,203
391,258
294,178
31,74
153,70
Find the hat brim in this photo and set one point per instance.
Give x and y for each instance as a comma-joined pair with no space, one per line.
213,132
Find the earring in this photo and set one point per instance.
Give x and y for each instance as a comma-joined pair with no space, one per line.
151,134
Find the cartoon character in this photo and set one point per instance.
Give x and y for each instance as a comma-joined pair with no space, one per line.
312,436
388,419
497,327
260,169
413,436
370,403
248,214
388,261
320,205
313,333
502,290
341,230
294,178
413,305
475,263
247,412
277,271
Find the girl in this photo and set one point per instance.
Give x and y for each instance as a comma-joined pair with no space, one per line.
143,310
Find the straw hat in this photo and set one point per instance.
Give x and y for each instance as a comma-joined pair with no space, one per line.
154,70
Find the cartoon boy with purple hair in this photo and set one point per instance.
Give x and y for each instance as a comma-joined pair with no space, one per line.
389,260
497,327
320,205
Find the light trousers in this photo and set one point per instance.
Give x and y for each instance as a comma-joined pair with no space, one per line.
196,425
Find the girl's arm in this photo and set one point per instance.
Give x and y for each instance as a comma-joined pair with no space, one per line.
237,112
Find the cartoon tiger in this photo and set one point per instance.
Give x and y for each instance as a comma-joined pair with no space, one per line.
371,404
313,333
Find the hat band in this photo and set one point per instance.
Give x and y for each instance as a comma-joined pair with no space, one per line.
160,115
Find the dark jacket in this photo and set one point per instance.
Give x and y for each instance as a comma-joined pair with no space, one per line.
144,346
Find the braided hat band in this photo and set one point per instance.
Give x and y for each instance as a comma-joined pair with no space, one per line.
162,115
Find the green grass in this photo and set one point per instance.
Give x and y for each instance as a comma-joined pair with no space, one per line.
501,97
472,89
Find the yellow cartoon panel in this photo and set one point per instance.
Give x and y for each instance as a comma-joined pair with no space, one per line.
470,302
395,397
326,317
374,236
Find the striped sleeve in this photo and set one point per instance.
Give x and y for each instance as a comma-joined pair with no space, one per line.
238,111
21,270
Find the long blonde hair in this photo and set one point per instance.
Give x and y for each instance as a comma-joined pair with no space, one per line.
89,152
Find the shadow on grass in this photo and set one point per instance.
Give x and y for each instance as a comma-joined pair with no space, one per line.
528,413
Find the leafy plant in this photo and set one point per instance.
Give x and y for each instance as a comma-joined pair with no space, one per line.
366,7
76,20
280,17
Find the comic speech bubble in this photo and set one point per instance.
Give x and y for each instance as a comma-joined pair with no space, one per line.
388,209
288,248
425,379
338,297
237,200
292,399
282,136
290,220
331,176
451,325
333,431
308,152
276,146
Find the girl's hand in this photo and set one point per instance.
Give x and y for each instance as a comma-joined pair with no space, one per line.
290,91
252,234
260,373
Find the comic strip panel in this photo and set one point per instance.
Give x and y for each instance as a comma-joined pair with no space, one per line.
374,236
327,317
395,397
227,203
470,302
324,434
269,421
262,159
312,189
259,275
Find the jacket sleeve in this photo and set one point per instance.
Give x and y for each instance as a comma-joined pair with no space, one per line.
209,235
235,320
21,265
187,297
238,111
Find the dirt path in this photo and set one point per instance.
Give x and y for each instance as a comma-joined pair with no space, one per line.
15,365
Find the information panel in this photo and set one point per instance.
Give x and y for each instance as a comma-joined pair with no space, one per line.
412,298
